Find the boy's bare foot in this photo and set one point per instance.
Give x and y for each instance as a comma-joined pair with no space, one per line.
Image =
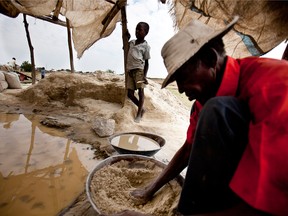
137,119
142,112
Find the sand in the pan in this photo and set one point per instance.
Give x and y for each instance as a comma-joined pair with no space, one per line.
111,186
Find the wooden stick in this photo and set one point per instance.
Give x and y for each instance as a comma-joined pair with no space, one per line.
31,49
57,10
110,1
111,14
50,19
125,45
70,46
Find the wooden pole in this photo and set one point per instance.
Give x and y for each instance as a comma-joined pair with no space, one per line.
31,49
125,43
70,46
57,10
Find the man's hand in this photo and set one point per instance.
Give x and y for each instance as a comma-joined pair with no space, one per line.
140,196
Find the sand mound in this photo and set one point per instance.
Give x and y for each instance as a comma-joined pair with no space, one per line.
67,88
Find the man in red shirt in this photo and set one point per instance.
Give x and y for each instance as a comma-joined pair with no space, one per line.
236,148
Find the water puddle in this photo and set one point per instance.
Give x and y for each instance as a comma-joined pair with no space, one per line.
41,172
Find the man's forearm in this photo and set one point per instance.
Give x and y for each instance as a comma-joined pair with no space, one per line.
173,169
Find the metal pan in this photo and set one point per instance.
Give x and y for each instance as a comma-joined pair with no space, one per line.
120,150
113,159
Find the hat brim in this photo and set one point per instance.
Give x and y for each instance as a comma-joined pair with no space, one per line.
218,34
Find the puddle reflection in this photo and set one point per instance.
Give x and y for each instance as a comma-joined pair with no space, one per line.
41,172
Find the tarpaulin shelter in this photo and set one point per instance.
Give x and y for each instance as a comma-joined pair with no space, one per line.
261,27
262,24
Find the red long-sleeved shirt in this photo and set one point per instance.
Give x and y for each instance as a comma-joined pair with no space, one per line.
261,178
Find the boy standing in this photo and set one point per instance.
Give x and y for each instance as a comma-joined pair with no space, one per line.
137,67
43,71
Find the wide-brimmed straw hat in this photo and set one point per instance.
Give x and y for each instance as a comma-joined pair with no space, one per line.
186,43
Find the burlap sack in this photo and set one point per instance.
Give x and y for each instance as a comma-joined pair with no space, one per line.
3,83
13,80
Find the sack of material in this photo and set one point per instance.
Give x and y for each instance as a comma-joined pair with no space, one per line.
3,83
13,80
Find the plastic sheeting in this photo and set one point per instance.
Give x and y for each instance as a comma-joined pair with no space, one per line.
86,20
261,27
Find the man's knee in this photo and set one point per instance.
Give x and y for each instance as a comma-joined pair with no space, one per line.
217,103
226,106
228,113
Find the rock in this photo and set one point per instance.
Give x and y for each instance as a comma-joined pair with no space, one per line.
52,122
104,127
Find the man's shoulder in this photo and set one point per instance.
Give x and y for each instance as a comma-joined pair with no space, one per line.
257,59
262,61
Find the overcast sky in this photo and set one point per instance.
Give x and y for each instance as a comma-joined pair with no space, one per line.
51,47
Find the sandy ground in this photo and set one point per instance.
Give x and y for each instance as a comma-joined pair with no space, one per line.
75,101
72,102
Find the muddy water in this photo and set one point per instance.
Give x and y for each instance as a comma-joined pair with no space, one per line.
41,172
135,142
